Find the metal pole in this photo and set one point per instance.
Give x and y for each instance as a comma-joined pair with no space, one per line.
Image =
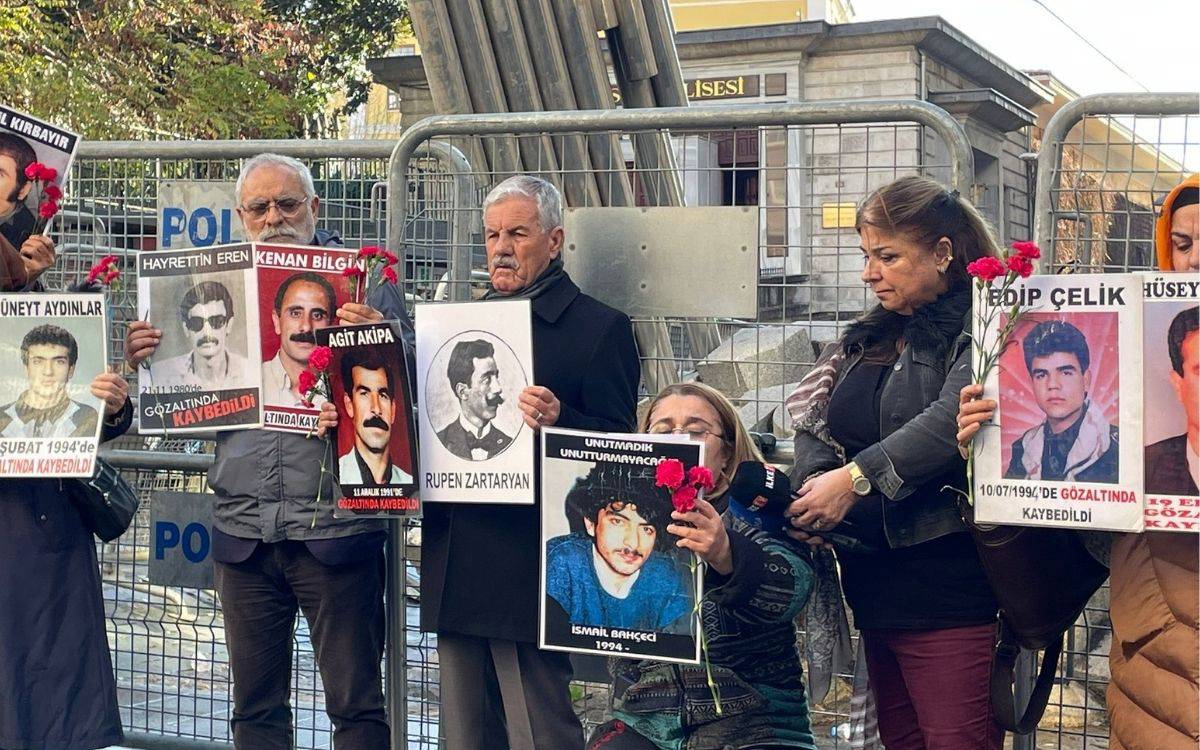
314,149
144,741
1172,104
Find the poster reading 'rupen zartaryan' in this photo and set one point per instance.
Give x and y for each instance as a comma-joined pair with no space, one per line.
1067,450
1171,348
25,141
300,290
473,361
375,444
204,376
51,348
613,581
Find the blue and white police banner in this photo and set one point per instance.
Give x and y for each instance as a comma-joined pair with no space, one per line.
612,580
1066,448
1171,349
473,361
197,213
181,539
206,374
51,348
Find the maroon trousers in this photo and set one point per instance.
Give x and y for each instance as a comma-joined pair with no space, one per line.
931,687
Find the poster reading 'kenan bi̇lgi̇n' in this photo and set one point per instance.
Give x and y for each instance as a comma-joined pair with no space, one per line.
1067,450
1171,347
51,348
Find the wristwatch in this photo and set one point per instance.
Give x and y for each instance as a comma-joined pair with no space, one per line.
862,485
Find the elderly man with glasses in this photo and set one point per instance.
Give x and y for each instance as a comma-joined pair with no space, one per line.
277,550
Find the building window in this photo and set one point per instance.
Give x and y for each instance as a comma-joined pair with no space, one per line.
393,101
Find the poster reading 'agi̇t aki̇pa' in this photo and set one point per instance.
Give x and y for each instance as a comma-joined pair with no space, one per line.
51,348
204,376
375,443
613,581
300,289
35,163
1171,350
473,361
1065,449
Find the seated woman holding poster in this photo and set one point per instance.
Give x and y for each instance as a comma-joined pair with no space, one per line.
754,585
877,467
1154,693
56,677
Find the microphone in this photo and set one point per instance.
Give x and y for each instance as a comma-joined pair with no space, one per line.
759,494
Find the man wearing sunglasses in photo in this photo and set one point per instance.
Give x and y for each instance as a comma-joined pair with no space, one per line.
204,315
277,550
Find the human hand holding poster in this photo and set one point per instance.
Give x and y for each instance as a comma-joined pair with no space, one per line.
1172,390
205,374
613,581
51,348
35,162
1069,395
375,435
473,361
300,290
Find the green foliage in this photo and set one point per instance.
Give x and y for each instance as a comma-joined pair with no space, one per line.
196,69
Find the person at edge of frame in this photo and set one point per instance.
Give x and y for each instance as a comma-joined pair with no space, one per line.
1154,577
276,550
479,577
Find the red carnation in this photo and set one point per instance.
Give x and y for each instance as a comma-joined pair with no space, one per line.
389,274
53,192
389,257
370,251
34,171
1020,265
48,209
684,498
1028,250
352,272
669,473
49,174
320,358
986,269
701,477
112,275
307,381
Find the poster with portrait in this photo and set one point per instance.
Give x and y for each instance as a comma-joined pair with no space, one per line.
612,580
1171,439
375,451
204,376
300,289
51,348
26,140
1065,447
473,361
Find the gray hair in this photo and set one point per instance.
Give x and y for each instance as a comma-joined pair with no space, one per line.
278,160
549,200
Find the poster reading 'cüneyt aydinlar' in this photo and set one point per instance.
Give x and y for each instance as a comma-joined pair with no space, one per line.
1065,449
1171,348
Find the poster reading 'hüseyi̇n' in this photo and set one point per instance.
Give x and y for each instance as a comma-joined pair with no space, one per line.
1065,449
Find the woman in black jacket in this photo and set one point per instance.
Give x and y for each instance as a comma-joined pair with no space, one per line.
57,690
877,466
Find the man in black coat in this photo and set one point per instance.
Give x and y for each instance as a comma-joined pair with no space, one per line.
1172,464
479,577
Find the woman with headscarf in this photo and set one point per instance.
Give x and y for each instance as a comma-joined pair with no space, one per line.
1154,690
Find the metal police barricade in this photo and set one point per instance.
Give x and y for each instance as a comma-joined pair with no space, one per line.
799,169
1104,165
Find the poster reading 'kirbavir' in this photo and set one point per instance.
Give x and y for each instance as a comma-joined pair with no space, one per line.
1171,345
24,141
613,582
375,444
51,348
1066,448
204,376
300,290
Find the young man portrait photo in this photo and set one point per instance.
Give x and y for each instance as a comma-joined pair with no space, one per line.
44,409
475,380
370,402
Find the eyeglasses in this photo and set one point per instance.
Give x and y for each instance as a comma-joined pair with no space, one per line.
195,323
287,206
695,433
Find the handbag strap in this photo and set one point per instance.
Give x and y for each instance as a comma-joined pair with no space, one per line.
1002,687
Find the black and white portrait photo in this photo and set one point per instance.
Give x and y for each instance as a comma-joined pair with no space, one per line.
214,357
47,405
474,378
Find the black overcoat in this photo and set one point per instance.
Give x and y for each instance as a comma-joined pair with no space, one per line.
479,563
56,678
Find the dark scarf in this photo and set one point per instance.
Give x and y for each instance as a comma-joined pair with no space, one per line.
554,273
932,327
